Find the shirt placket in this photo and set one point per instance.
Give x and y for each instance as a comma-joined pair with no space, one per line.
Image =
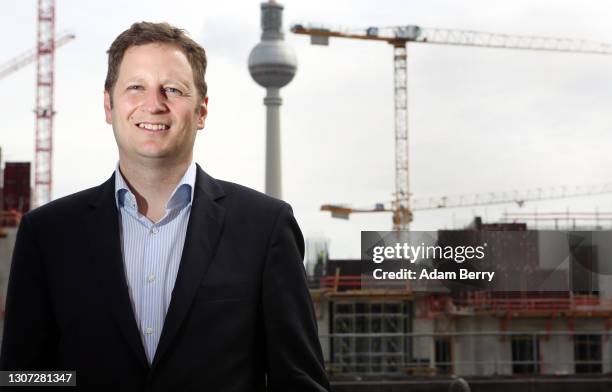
151,293
150,301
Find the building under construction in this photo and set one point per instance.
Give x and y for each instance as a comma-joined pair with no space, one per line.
551,340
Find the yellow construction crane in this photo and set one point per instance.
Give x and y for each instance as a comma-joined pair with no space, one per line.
477,199
399,37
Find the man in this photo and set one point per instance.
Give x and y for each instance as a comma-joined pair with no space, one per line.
162,277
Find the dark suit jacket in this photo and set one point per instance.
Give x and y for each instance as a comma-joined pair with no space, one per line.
240,318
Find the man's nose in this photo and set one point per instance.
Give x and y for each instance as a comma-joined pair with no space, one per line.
155,101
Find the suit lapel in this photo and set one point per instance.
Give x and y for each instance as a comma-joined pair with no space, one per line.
201,240
103,232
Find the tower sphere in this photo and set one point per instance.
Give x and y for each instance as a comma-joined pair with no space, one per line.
272,63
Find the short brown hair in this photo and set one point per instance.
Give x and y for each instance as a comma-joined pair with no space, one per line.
146,33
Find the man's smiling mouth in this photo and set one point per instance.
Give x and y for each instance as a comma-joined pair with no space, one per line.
153,126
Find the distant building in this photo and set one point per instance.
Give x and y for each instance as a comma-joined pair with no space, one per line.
15,199
16,191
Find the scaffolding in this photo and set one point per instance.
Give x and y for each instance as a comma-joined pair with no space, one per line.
517,353
369,336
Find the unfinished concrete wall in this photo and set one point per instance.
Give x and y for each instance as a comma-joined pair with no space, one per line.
557,351
422,346
481,354
323,322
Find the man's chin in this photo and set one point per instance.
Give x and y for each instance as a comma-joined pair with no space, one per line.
149,156
154,152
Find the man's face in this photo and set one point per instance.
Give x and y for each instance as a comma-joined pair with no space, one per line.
156,109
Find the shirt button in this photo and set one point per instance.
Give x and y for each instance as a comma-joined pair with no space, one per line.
149,330
154,230
151,278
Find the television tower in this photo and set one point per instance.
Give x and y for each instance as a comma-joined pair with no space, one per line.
272,64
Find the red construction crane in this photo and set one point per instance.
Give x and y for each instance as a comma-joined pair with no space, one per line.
399,37
44,54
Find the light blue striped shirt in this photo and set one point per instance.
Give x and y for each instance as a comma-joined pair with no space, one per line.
152,253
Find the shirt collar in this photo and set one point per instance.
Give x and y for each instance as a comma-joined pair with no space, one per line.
181,196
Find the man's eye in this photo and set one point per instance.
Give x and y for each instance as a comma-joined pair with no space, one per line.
172,90
134,87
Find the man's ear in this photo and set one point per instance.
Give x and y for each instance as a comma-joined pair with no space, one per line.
107,108
202,113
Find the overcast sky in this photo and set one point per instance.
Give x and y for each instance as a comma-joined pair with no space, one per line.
479,119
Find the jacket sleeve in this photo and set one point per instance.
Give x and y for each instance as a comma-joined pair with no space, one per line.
30,333
294,358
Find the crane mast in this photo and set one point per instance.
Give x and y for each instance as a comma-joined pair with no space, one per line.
402,214
399,37
44,111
